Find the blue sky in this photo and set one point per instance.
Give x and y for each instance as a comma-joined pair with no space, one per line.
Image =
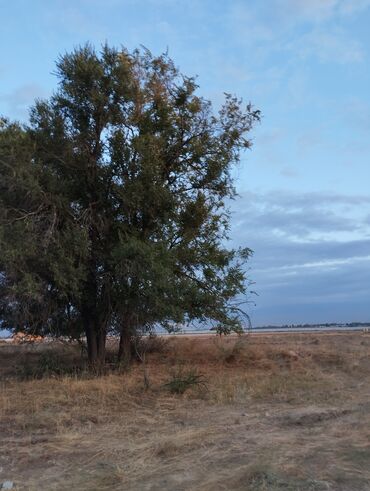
304,202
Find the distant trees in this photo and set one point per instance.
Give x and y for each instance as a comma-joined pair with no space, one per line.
112,203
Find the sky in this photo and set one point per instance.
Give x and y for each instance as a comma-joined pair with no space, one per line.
304,200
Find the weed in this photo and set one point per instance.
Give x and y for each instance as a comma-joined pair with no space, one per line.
155,344
266,480
359,456
182,380
48,364
229,350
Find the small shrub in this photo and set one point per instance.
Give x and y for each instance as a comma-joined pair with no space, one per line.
142,345
229,352
155,344
47,365
182,380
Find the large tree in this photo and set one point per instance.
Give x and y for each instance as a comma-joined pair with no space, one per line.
112,203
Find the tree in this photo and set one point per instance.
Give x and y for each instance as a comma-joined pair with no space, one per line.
113,215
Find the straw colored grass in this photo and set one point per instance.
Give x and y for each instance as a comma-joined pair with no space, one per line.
288,411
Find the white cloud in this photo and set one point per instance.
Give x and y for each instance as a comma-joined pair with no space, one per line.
305,219
289,172
303,267
353,6
329,46
319,11
310,10
20,100
327,35
326,264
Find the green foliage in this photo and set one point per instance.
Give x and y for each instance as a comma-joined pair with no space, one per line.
182,380
112,202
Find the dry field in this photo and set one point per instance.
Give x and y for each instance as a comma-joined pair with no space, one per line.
269,412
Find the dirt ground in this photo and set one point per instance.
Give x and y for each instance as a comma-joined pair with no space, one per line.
262,412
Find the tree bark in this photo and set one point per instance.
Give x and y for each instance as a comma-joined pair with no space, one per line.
101,339
92,349
95,339
124,350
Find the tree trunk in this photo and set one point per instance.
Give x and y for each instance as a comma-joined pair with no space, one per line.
92,348
124,350
95,338
101,339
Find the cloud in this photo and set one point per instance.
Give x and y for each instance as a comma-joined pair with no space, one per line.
21,98
319,11
350,7
326,264
305,28
311,258
312,10
304,217
72,20
329,46
328,40
357,112
289,172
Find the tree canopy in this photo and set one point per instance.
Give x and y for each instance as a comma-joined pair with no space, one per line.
113,213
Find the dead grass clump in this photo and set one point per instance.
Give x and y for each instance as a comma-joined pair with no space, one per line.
228,389
349,480
278,385
353,472
330,359
293,386
157,344
66,402
102,476
263,478
260,476
312,415
284,358
229,350
151,344
166,449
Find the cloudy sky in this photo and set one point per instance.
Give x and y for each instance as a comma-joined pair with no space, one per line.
304,203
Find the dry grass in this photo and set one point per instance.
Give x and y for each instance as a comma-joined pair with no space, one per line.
277,412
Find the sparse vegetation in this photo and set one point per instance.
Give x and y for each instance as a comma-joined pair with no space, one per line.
263,478
182,380
269,420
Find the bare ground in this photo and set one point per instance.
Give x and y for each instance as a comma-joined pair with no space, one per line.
275,412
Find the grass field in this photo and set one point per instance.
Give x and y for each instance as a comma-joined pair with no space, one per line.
259,412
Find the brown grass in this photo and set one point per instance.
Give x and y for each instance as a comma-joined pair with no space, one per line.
276,412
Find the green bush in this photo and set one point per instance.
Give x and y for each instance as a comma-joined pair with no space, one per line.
182,380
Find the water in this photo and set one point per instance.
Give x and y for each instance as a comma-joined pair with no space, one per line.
338,328
285,329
